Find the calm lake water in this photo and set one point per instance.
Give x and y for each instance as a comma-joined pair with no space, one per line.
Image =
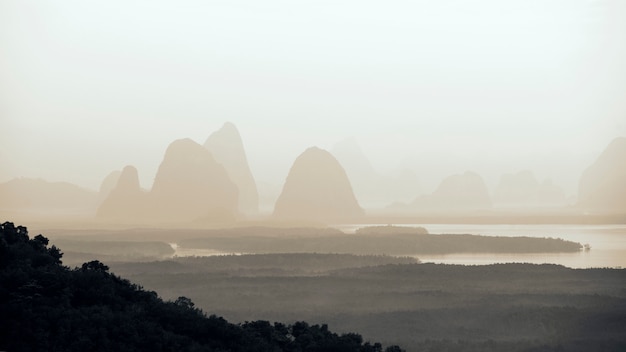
608,244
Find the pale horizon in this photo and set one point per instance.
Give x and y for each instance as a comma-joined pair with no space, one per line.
439,89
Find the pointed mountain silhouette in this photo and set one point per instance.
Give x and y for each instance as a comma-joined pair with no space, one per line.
227,148
107,185
127,201
366,182
38,194
458,192
190,185
602,185
523,189
349,153
370,187
317,188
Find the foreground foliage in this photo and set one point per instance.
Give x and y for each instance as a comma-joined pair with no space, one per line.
45,306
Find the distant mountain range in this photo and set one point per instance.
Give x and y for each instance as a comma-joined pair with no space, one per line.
189,185
213,182
465,191
523,189
193,182
38,194
371,188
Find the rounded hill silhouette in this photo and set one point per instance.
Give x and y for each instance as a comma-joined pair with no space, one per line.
190,184
462,191
318,189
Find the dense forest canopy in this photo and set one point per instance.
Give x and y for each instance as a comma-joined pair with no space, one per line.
46,306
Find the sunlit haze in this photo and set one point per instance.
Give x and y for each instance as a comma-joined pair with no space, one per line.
313,175
437,87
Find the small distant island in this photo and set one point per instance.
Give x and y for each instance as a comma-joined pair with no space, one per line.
391,230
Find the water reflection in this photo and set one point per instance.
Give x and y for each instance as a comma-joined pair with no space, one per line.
608,244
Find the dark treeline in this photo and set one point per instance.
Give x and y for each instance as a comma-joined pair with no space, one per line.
45,306
389,243
153,244
86,249
260,264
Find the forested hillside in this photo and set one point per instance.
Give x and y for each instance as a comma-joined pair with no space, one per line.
45,306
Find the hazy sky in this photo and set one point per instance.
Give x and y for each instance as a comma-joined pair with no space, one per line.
441,87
